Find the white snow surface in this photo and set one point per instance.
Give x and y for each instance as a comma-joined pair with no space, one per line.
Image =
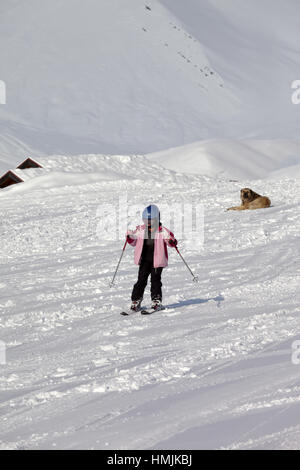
214,370
117,77
242,158
95,90
104,75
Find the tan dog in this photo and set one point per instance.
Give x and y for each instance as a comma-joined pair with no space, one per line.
251,200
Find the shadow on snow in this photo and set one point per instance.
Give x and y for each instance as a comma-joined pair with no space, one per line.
219,298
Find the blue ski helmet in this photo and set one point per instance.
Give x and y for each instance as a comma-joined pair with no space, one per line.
151,213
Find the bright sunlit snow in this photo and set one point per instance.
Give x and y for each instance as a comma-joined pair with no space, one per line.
179,104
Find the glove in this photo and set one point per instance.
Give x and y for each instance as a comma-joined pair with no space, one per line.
130,236
173,242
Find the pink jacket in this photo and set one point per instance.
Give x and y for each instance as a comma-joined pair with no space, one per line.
162,239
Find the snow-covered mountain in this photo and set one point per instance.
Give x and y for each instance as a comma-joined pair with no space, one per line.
198,93
105,76
136,77
254,45
232,159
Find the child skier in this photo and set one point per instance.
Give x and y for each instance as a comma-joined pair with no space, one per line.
150,241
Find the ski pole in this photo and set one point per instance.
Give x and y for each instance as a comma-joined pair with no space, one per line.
123,250
195,278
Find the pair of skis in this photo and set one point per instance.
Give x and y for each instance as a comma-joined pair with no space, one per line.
142,311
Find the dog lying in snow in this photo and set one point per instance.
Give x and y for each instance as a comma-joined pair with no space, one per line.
251,200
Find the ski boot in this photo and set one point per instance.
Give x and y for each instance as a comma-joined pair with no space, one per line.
136,305
156,304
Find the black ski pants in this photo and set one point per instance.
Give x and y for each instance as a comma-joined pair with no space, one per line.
146,268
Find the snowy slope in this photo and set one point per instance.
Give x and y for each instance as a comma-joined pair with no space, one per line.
105,76
247,158
255,48
214,370
289,172
116,77
13,149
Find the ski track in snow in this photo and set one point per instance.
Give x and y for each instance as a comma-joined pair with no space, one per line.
213,370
